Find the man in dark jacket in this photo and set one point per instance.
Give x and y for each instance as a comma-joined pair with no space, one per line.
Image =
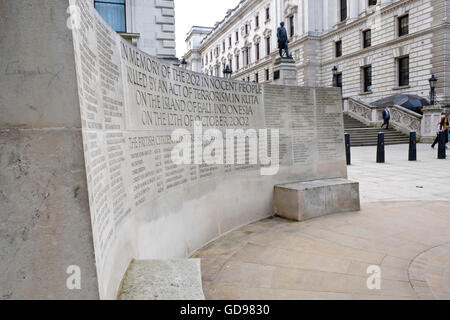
386,117
283,42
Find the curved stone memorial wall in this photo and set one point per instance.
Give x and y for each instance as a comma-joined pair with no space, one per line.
136,110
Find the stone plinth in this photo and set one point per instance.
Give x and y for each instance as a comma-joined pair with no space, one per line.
163,280
431,117
306,200
285,71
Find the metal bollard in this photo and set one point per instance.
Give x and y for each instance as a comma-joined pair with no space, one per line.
347,149
441,149
380,148
412,146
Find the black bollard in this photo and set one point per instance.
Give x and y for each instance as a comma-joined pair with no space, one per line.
412,146
441,149
347,149
380,148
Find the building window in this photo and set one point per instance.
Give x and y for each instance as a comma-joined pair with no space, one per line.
257,51
367,79
372,3
257,21
268,46
268,13
113,12
367,38
403,71
339,80
291,26
256,77
237,36
229,42
248,79
343,9
403,26
267,75
223,46
246,56
237,62
338,45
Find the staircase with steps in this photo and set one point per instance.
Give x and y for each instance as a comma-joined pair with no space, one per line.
363,135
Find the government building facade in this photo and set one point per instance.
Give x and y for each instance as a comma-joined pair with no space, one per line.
370,48
148,24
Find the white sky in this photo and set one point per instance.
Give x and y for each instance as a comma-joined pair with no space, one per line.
199,13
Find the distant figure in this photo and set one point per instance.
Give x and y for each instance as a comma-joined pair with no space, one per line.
386,117
446,129
283,42
439,129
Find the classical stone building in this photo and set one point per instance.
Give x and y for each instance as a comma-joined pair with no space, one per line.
148,24
379,47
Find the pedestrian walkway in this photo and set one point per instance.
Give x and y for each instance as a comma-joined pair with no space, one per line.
403,228
400,179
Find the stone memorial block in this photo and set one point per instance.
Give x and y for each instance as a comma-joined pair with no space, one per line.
97,123
311,199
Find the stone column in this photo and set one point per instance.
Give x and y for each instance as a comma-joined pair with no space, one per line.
354,9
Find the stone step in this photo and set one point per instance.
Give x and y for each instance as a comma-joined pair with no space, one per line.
363,135
163,280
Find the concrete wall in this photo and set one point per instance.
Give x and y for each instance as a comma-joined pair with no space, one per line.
95,137
44,212
143,205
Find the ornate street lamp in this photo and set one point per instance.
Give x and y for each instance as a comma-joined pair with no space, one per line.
335,72
227,72
183,63
433,80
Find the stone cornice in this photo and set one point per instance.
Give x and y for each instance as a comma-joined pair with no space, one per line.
214,34
267,62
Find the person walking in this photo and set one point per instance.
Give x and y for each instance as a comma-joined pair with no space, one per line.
386,117
446,129
438,131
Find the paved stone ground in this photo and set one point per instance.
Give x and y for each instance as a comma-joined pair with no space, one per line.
398,178
328,257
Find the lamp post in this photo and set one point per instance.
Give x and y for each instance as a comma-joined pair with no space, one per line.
183,63
227,72
335,71
433,80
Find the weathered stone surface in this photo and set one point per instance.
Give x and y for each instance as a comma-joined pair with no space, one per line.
305,200
45,222
142,204
163,280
